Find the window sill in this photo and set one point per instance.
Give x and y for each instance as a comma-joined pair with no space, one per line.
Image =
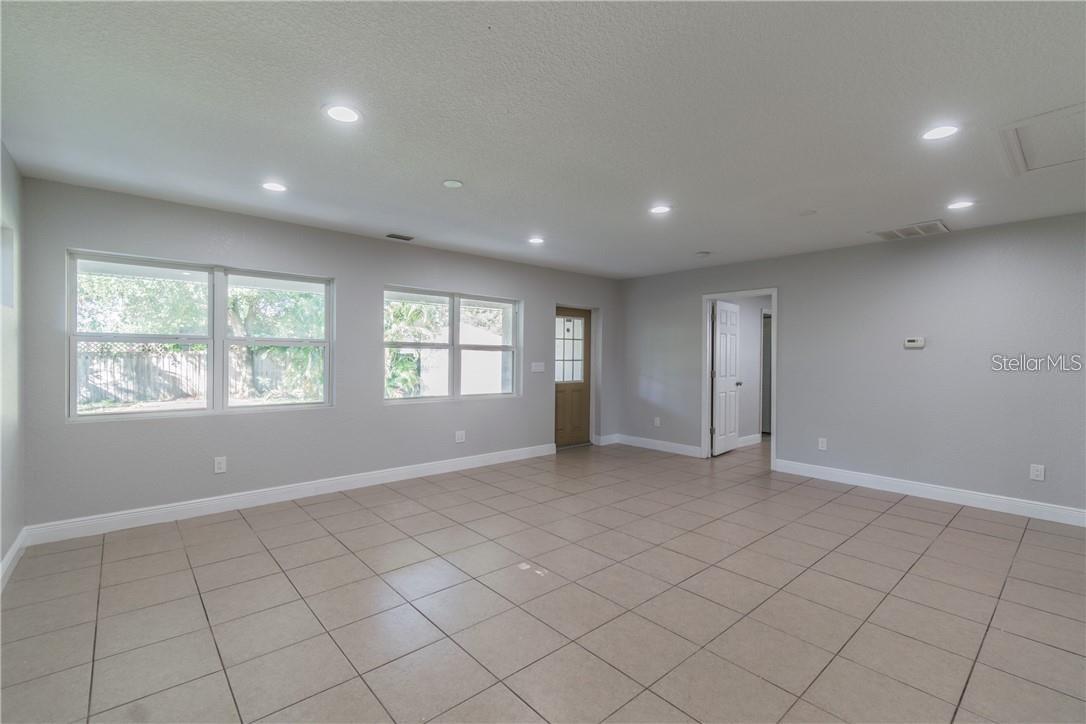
168,414
395,402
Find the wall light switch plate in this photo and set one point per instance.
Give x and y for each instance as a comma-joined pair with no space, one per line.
914,343
539,366
822,443
656,422
1037,472
461,435
220,465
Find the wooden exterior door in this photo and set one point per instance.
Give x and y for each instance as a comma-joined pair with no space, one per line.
572,345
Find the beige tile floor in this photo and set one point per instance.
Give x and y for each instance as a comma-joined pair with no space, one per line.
602,584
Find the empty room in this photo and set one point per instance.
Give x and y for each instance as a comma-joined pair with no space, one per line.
572,362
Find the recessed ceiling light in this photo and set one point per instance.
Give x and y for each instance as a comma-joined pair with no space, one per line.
273,186
343,114
537,240
702,253
934,134
960,205
808,212
452,183
660,209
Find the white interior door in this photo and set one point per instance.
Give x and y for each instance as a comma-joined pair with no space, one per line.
725,417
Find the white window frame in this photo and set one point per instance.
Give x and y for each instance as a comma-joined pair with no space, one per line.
217,340
227,340
454,347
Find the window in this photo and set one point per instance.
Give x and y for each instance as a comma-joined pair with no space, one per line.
277,341
448,345
151,337
142,335
568,349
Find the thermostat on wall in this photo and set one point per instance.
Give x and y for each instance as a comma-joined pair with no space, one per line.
914,343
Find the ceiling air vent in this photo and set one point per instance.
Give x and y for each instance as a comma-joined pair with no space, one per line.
913,231
399,237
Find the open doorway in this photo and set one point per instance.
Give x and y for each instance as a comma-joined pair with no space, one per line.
572,376
739,370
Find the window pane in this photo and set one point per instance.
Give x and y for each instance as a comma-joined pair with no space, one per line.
416,318
558,371
269,307
483,322
134,299
413,372
137,377
271,375
578,328
486,372
578,371
578,350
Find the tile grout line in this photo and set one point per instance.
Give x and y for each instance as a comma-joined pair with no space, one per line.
211,631
94,641
987,628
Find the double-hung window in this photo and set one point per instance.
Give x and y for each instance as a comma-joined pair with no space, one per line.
141,337
277,340
448,345
156,337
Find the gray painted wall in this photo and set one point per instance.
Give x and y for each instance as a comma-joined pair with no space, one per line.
85,468
937,415
11,481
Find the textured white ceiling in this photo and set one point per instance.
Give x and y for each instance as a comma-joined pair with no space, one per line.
566,120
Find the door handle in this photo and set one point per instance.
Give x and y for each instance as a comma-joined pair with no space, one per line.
738,384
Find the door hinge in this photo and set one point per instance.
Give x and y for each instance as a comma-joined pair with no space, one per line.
712,430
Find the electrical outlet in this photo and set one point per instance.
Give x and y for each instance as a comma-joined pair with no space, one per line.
220,465
461,435
822,444
1037,472
656,422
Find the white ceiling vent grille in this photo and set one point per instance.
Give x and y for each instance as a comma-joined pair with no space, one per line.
1050,139
913,231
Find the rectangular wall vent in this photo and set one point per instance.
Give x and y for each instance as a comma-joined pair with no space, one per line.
399,237
913,231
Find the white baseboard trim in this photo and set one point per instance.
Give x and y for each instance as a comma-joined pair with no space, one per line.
748,440
11,558
1002,503
106,522
650,444
611,439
